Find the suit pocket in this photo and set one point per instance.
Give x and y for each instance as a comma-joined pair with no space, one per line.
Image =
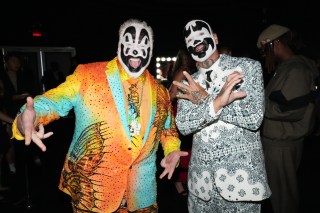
237,186
200,185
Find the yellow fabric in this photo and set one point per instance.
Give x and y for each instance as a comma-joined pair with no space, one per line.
172,144
15,131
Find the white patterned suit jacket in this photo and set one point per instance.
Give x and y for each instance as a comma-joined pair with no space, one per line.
227,152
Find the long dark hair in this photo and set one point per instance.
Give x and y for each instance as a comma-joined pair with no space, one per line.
184,61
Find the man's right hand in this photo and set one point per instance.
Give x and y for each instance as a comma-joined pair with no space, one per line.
25,124
227,94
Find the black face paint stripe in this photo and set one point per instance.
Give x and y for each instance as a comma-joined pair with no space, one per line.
198,26
144,33
132,31
196,42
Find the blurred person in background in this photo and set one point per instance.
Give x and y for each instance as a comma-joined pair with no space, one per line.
184,62
5,144
289,112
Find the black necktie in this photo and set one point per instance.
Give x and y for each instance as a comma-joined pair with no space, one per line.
208,79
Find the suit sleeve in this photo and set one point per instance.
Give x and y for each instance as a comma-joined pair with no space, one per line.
57,102
248,112
192,117
169,137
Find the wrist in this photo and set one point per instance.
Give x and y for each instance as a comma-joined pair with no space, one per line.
203,99
216,104
19,124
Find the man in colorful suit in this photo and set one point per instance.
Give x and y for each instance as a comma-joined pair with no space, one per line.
222,105
122,114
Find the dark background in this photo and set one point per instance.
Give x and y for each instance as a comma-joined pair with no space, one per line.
92,26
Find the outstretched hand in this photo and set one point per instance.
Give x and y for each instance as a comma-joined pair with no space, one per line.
192,91
25,124
169,163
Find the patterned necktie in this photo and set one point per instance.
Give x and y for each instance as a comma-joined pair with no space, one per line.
208,79
134,110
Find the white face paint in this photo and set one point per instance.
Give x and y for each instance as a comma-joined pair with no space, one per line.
199,40
135,46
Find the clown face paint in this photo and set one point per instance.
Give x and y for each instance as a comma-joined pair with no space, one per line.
199,40
135,47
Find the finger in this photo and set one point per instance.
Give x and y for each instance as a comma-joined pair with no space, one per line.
236,81
39,143
188,77
170,174
163,174
47,135
27,136
181,86
184,96
239,94
183,153
41,129
234,75
30,105
231,84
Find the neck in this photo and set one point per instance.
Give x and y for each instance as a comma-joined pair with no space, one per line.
210,61
288,55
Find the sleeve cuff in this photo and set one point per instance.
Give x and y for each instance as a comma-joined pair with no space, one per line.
212,112
15,131
173,144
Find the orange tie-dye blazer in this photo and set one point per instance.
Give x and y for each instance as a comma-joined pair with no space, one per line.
99,168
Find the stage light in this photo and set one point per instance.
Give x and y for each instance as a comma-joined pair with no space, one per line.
37,30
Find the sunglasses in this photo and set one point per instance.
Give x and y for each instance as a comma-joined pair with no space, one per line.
267,48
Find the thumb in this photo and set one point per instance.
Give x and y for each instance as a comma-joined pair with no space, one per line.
183,153
30,104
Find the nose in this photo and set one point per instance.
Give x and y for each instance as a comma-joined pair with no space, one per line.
196,42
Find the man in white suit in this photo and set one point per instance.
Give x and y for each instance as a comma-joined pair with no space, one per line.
222,105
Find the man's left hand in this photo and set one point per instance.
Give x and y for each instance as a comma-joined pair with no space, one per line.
169,163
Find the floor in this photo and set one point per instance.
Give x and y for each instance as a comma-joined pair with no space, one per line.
33,189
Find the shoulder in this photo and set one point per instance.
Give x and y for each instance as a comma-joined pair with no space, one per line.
90,72
157,84
245,63
303,65
94,68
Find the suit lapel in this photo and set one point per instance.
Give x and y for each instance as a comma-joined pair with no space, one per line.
115,85
152,86
113,77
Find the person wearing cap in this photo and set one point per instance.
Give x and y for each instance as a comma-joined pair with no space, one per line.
289,112
222,105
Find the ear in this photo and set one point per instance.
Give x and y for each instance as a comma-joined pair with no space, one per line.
276,44
215,38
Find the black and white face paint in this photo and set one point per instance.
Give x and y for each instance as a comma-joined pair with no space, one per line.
199,40
135,46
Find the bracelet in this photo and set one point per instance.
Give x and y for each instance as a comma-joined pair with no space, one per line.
203,100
